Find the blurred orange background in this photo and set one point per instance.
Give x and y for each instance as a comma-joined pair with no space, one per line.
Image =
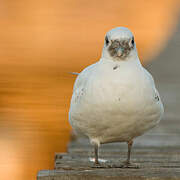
40,42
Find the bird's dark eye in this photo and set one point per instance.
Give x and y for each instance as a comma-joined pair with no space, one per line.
132,41
106,40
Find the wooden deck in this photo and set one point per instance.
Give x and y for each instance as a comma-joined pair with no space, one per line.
157,152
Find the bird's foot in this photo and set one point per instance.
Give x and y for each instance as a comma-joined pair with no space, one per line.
128,164
101,163
111,165
107,164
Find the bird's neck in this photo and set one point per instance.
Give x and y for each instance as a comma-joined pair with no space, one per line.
132,60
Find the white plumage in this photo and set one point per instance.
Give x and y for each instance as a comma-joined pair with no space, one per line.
115,99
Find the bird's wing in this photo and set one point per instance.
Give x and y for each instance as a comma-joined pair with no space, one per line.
149,76
152,83
83,76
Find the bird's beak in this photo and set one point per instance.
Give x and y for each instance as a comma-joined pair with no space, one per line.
119,51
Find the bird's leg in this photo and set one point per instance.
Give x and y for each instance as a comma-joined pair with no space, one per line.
97,164
127,163
130,143
96,160
96,154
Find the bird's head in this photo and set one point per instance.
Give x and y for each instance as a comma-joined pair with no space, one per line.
119,44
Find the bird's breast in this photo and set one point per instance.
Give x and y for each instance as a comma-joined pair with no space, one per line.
124,91
127,99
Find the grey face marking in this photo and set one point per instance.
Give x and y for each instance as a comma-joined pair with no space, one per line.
124,45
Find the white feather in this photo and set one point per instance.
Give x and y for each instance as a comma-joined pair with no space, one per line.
118,105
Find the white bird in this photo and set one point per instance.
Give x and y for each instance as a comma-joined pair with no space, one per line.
115,99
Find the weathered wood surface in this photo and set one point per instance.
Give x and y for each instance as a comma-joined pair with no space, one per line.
157,152
158,155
